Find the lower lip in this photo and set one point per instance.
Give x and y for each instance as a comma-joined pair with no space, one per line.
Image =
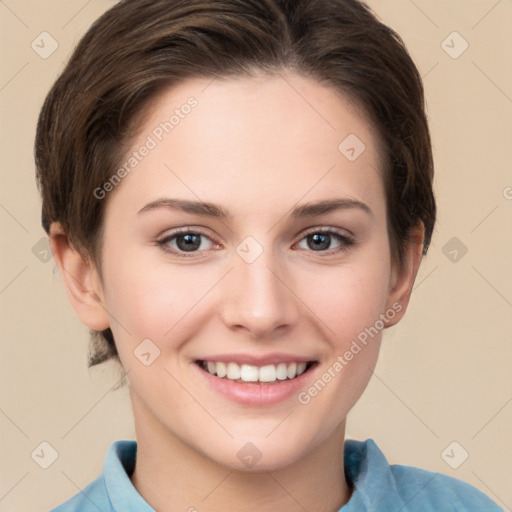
256,394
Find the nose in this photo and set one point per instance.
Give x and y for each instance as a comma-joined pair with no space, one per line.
258,298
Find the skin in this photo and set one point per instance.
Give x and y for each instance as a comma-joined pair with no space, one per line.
255,147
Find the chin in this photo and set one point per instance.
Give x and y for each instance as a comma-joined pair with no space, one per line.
259,454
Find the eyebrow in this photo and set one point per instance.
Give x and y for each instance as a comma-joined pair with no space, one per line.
213,210
322,207
185,205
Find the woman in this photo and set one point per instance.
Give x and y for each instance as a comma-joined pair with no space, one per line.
238,195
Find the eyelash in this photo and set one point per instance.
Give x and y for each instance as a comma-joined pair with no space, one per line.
346,241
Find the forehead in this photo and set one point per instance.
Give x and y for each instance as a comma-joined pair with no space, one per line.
280,135
262,105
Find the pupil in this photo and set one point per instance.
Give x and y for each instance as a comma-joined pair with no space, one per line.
322,239
192,242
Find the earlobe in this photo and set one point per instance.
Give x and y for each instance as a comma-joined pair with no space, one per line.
402,280
81,279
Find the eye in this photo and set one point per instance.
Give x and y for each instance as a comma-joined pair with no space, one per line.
185,241
190,241
322,240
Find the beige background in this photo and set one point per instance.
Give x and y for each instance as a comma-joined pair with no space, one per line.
444,373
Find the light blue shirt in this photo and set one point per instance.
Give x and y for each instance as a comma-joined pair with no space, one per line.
378,487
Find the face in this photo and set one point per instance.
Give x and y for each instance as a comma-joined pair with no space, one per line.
250,237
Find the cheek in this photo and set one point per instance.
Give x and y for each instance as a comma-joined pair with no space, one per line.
350,303
154,300
348,298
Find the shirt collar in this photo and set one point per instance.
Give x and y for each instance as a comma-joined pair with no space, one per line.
117,469
367,469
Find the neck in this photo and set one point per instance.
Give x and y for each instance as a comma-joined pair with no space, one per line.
170,475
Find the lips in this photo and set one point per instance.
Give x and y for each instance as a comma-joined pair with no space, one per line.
256,393
256,380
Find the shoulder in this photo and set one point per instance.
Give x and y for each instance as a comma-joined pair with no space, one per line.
90,499
439,492
406,488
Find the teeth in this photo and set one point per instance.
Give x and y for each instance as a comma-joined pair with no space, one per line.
268,373
282,371
248,373
251,373
291,370
233,371
220,369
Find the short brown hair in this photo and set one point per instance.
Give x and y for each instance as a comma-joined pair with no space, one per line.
140,47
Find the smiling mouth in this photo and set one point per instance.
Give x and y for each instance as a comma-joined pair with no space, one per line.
247,373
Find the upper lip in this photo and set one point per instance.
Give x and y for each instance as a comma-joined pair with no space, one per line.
254,360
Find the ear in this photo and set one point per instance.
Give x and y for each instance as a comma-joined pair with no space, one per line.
82,281
402,280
